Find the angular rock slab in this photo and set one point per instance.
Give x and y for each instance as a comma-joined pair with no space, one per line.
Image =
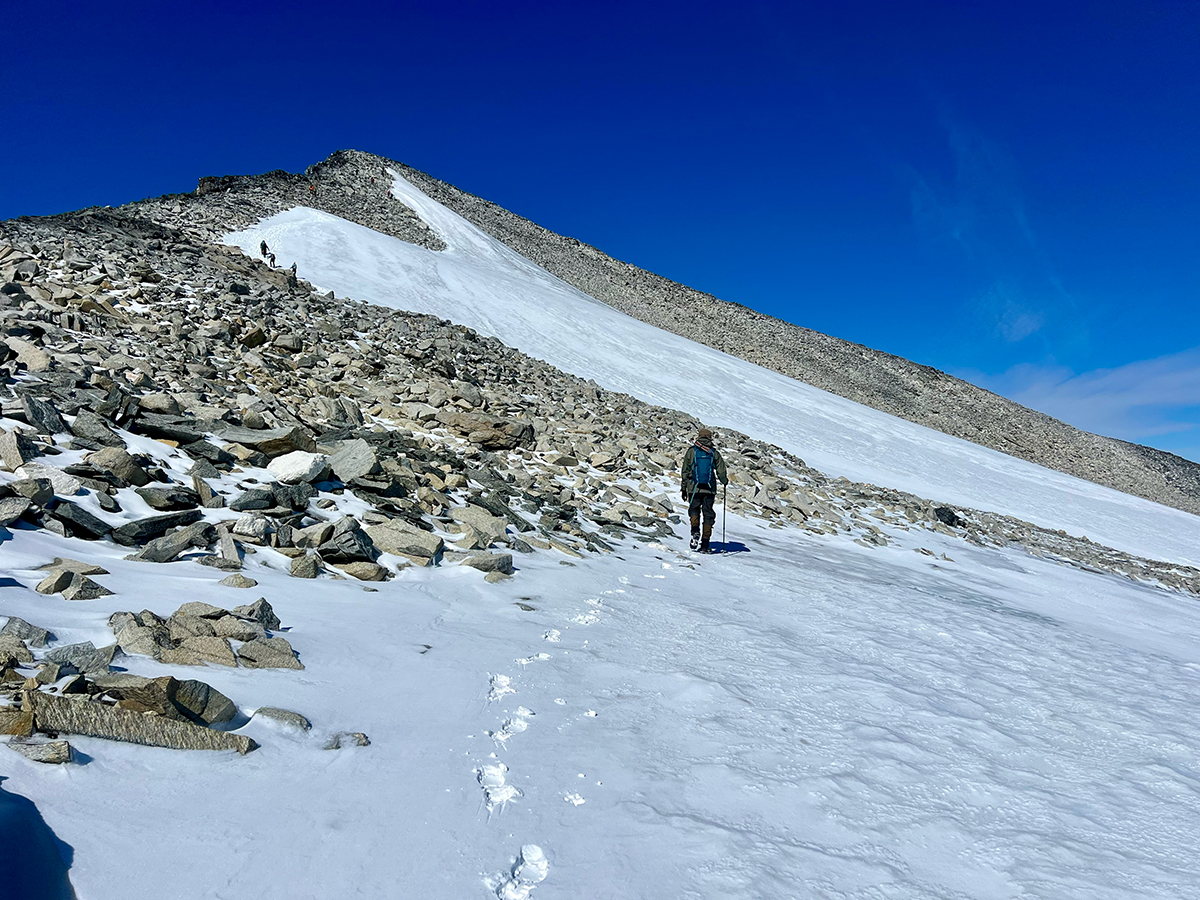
298,467
268,653
272,442
398,537
60,714
52,752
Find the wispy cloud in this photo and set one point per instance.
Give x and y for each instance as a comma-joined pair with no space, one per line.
1153,401
981,209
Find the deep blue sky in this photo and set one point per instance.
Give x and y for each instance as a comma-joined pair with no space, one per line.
1008,191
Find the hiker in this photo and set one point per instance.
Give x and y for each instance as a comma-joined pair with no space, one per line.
263,248
703,467
293,270
271,259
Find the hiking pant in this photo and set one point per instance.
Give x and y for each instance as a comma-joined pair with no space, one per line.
702,503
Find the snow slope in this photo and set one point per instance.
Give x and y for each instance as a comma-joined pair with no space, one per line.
811,719
478,281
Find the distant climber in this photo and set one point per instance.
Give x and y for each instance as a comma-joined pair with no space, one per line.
390,197
271,260
703,467
293,270
263,248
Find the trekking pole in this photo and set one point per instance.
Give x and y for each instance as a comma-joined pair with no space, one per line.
724,512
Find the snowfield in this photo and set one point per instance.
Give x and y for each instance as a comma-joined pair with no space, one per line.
479,282
809,719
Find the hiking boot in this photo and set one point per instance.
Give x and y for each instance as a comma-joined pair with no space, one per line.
695,542
704,548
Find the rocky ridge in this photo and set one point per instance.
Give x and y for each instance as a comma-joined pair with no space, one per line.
170,395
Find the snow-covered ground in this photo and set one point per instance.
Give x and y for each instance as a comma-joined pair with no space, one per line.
811,718
479,282
808,719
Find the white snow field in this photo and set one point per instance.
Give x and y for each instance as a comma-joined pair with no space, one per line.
479,282
810,719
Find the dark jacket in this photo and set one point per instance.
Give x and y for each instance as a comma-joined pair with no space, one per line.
686,484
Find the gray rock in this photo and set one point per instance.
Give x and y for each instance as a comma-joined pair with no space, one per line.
12,508
397,536
83,588
118,462
159,403
66,564
135,638
282,716
365,571
268,653
252,527
354,459
184,700
14,647
91,427
52,752
16,449
60,714
208,648
255,498
490,432
37,637
169,546
65,485
83,657
238,580
313,535
272,442
42,415
347,739
183,627
490,528
39,491
293,496
201,609
350,544
260,611
79,522
54,583
169,499
490,562
238,629
141,531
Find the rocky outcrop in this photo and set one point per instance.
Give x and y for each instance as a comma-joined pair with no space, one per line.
70,716
455,444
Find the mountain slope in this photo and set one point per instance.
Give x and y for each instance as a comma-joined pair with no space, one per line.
863,701
481,282
880,380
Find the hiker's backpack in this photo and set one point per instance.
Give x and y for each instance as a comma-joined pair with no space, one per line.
702,468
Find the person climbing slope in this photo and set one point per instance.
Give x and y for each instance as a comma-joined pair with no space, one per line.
703,467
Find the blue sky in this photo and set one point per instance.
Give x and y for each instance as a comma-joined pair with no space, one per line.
1005,191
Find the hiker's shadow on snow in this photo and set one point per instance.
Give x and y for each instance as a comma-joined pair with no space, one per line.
730,547
40,867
